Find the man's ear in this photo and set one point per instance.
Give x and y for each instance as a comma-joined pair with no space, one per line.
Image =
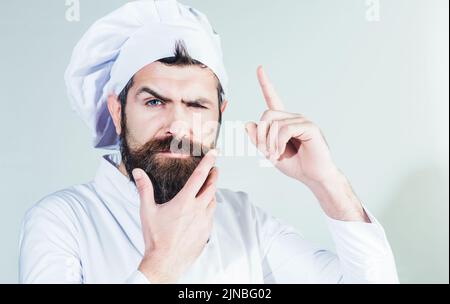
223,106
115,110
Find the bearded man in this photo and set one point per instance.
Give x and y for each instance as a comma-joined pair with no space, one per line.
149,79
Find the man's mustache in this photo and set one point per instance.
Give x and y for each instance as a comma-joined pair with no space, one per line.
171,144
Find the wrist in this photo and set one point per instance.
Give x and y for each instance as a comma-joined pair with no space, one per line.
156,269
337,198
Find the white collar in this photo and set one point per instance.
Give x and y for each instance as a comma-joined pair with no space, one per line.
109,178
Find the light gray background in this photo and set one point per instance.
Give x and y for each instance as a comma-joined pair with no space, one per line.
378,90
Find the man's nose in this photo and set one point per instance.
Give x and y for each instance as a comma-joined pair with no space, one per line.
178,123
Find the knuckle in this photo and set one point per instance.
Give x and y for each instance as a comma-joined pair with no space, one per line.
275,125
142,187
311,125
285,128
262,126
266,114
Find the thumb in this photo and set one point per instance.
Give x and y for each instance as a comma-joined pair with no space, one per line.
145,187
252,130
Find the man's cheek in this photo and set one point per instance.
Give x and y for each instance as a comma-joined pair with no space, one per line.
210,129
142,134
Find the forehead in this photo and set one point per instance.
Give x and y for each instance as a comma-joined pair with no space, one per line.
182,79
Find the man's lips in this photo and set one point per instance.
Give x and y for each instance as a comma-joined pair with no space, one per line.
173,155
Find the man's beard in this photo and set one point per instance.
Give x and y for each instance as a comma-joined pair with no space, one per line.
167,174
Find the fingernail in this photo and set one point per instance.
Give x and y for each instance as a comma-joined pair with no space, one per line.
136,174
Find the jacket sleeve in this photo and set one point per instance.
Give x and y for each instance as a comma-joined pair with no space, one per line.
48,247
363,254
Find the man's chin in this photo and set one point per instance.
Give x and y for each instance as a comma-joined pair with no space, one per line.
169,175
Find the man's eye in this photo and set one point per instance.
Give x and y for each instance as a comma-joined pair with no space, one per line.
154,102
197,105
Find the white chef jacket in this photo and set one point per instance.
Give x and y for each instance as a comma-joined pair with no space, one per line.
91,233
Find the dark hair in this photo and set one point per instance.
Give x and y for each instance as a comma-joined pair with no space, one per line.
181,58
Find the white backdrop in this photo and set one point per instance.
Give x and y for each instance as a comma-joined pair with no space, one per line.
375,79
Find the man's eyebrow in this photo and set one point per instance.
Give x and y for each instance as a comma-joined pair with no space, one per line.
200,100
151,92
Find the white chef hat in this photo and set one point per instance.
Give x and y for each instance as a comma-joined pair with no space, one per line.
123,42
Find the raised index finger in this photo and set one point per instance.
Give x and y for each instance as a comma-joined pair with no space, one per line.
270,95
